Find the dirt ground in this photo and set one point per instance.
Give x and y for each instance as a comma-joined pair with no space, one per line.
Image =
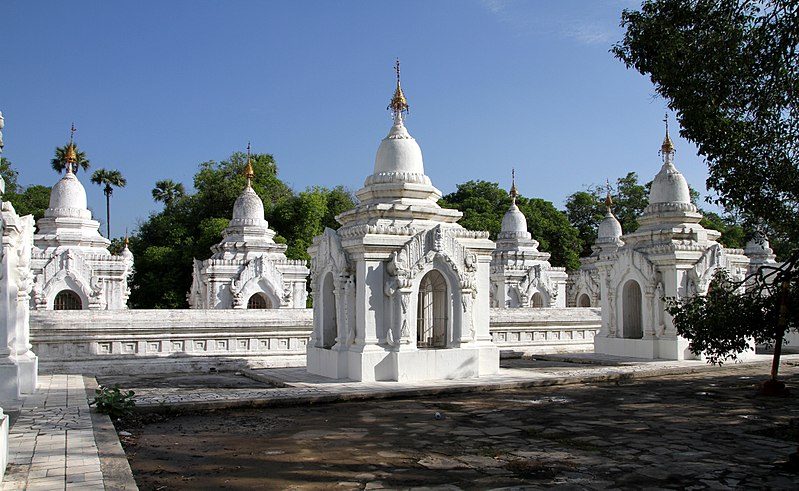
677,432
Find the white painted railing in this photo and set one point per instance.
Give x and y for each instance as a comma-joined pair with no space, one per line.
124,341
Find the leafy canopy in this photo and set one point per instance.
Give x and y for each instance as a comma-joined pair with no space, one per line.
483,205
59,161
190,224
730,70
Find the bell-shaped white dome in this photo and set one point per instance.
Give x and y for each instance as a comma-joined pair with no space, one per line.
68,193
669,186
514,221
609,228
248,206
399,152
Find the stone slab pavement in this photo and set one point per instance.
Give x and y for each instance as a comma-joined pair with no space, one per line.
57,442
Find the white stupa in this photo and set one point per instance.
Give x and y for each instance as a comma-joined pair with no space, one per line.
670,255
247,269
71,263
521,275
401,291
583,289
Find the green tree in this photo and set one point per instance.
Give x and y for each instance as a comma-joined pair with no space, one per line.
167,191
9,175
166,244
306,215
551,228
730,71
483,205
34,200
108,179
59,162
218,184
629,201
585,209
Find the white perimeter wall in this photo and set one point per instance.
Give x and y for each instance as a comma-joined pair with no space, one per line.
153,341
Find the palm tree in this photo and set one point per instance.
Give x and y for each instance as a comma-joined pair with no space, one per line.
59,162
167,191
108,178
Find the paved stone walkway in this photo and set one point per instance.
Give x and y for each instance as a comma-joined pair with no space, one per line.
51,443
54,439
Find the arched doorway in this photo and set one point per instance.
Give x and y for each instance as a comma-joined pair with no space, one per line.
584,301
329,325
537,301
631,317
67,300
259,301
432,307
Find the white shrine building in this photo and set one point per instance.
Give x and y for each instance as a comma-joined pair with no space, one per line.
247,269
670,255
401,291
18,364
521,275
583,285
72,267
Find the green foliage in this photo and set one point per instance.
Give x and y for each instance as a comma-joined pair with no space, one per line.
732,314
9,175
108,179
218,184
167,191
34,200
551,228
483,205
732,233
585,209
114,402
59,161
301,219
167,243
730,71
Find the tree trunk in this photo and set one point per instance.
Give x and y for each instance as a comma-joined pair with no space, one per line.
108,214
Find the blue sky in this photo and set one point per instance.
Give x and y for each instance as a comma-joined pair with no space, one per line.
156,87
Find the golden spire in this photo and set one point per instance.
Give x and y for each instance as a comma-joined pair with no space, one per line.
71,158
513,193
399,105
668,147
126,242
608,199
249,173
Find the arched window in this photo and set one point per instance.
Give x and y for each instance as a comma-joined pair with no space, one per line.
537,301
67,300
431,321
329,324
632,318
584,301
259,301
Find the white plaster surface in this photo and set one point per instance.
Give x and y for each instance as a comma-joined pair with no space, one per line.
3,443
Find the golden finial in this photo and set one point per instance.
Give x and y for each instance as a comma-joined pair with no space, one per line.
249,173
399,105
71,158
126,238
513,193
668,147
608,199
